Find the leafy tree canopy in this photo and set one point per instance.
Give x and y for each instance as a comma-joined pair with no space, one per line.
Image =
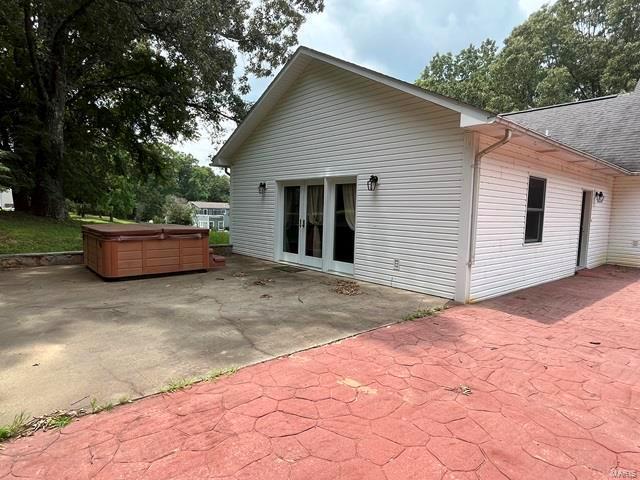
92,186
81,77
571,50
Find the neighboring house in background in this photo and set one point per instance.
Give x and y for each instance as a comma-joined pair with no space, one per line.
213,215
6,200
467,204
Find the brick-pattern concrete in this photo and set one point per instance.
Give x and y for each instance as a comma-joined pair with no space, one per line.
553,374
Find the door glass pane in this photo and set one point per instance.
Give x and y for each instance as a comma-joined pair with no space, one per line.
291,219
345,223
315,208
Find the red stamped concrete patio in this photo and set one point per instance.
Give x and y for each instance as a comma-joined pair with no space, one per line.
554,379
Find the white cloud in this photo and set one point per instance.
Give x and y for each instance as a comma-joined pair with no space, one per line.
201,148
329,34
530,6
396,37
206,144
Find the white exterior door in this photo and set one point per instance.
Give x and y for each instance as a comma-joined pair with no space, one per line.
317,224
302,223
340,225
291,223
585,227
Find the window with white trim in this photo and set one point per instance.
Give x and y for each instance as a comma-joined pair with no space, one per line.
535,210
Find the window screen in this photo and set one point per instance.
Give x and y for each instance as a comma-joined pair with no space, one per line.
535,210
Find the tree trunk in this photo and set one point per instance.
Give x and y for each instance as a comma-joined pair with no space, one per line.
21,200
49,78
48,194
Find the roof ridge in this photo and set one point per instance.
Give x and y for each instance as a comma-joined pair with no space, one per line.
557,105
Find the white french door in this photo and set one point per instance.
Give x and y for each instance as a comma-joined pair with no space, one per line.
340,225
317,223
303,223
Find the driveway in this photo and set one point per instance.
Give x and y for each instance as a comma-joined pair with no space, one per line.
540,384
68,337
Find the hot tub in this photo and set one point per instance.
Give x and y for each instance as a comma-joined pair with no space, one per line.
116,251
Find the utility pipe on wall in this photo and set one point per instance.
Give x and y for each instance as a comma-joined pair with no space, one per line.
476,188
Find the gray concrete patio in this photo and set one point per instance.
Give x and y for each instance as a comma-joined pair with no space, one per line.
68,337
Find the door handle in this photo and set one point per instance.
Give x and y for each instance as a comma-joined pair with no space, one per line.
301,223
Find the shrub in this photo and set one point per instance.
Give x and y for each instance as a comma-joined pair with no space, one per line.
178,212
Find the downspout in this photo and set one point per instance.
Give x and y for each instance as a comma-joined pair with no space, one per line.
476,189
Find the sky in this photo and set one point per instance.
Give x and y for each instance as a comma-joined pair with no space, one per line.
395,37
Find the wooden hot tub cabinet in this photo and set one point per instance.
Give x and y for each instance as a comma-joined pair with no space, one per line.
117,251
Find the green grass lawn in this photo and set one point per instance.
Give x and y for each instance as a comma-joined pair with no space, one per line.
218,237
23,233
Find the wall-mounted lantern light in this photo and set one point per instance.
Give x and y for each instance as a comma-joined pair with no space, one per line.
372,183
599,196
262,187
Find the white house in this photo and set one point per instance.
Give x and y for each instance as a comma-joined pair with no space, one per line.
467,204
6,200
213,215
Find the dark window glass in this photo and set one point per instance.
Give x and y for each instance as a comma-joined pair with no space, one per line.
535,210
344,223
291,219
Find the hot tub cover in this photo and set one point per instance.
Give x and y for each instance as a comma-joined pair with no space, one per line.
138,229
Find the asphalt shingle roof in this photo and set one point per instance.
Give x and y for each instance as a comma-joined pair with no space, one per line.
606,127
199,204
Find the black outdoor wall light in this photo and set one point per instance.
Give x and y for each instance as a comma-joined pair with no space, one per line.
372,183
262,187
599,197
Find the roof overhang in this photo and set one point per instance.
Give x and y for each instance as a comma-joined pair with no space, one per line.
469,116
542,144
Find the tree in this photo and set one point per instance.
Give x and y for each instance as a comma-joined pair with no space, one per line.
465,76
4,177
126,72
5,172
571,50
178,211
197,182
119,199
179,175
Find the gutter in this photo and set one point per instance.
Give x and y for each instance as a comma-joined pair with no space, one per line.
476,189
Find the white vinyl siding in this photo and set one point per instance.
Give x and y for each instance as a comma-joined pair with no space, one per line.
503,261
334,123
625,223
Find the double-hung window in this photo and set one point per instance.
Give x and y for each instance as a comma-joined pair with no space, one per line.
535,210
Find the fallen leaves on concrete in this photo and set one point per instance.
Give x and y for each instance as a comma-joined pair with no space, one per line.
463,389
347,287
